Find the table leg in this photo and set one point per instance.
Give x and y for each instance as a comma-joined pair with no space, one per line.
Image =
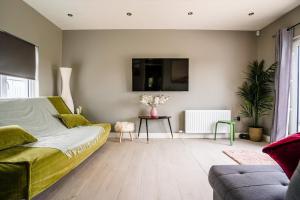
140,127
147,130
231,135
170,127
233,127
216,129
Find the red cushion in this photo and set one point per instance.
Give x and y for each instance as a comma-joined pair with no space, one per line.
286,153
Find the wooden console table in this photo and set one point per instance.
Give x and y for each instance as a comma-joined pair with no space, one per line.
146,118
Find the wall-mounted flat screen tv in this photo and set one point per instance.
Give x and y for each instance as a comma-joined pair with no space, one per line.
160,74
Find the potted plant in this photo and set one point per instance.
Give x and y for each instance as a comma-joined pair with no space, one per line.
257,95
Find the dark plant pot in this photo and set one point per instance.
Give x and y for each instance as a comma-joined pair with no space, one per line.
255,134
244,136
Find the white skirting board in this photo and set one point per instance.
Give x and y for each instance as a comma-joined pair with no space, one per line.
176,135
266,138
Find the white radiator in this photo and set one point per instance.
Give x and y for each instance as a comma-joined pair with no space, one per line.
204,121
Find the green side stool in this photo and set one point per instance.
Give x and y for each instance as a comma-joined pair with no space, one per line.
232,129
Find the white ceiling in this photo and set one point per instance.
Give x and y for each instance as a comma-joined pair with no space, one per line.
163,14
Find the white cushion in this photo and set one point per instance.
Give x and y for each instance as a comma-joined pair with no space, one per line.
124,127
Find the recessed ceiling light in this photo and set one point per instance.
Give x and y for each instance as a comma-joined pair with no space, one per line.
251,13
70,15
128,13
190,13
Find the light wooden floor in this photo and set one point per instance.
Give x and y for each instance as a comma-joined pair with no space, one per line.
164,169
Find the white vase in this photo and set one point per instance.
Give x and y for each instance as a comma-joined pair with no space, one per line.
65,73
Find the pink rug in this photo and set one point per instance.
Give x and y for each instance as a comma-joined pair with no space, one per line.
248,157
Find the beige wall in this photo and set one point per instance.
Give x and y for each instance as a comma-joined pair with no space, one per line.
101,62
266,45
266,42
19,19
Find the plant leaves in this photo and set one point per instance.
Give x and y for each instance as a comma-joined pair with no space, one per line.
257,91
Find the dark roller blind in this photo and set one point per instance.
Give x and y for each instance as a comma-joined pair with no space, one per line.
17,57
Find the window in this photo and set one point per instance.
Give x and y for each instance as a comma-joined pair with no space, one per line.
294,121
18,67
14,87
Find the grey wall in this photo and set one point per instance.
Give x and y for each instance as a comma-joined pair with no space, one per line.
101,62
266,45
19,19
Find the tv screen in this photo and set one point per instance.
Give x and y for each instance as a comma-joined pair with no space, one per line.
160,74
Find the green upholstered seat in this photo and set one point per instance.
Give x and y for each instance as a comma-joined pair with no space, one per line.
27,171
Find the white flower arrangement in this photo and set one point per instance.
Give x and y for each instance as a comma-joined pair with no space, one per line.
153,100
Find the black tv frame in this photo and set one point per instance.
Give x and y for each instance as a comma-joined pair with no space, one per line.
135,90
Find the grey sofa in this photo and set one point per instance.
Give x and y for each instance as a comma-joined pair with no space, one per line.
253,182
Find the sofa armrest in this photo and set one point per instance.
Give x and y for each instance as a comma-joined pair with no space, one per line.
293,192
